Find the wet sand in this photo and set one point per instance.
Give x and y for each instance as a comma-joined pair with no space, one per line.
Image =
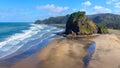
28,62
63,54
60,53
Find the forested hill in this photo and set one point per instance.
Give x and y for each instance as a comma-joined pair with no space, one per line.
109,20
54,20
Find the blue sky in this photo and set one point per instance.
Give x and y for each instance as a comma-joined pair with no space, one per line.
31,10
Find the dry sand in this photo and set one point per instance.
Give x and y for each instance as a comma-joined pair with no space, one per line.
107,52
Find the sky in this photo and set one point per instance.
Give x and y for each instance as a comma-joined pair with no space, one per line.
31,10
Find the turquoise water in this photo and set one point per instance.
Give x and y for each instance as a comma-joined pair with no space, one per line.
23,37
8,29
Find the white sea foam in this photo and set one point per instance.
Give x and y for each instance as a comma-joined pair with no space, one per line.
20,37
16,41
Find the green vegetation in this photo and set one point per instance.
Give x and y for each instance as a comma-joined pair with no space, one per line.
79,24
109,20
54,20
102,29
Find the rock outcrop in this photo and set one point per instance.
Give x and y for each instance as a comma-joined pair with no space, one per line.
79,24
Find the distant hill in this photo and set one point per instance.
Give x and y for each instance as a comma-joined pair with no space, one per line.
54,20
109,20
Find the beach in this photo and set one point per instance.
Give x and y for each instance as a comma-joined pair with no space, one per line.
61,53
66,53
58,54
60,34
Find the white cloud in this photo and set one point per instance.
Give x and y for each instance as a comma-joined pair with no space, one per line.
111,1
52,8
100,9
117,10
87,3
117,5
83,10
74,9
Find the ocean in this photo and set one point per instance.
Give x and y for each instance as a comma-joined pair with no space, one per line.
24,37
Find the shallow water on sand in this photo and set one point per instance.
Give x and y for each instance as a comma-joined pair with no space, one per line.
90,50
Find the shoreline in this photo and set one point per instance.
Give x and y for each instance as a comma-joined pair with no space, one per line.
55,52
62,53
19,58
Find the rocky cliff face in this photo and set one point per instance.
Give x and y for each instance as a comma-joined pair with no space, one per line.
78,23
